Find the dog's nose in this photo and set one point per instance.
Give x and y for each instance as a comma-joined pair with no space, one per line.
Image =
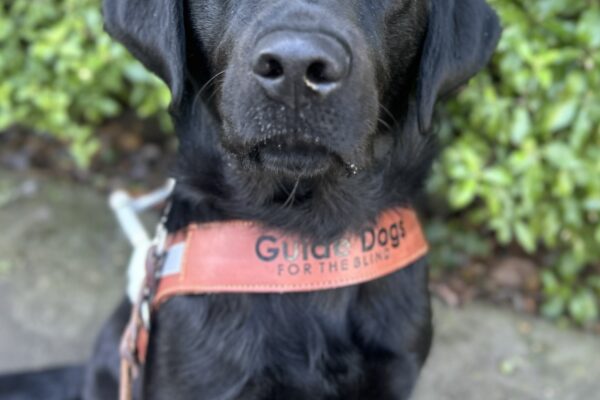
290,65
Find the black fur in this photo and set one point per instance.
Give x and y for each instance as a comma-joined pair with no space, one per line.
370,139
53,384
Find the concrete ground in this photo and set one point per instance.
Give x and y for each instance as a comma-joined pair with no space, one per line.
61,271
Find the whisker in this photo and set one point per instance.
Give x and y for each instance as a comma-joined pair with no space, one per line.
213,94
290,200
204,87
385,124
218,74
388,112
281,186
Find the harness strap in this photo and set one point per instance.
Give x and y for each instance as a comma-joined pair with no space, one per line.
244,257
134,341
129,368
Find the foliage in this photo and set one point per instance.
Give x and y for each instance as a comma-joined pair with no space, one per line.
524,146
62,75
523,155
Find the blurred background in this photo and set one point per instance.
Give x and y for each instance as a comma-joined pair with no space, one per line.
513,213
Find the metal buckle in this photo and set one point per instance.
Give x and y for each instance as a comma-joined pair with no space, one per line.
144,309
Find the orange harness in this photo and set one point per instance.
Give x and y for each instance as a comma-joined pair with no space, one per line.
242,257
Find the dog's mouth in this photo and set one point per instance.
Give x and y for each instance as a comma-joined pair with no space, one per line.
293,158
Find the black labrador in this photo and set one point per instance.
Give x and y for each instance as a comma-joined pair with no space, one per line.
311,117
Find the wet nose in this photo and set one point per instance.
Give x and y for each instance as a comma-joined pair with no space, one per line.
291,66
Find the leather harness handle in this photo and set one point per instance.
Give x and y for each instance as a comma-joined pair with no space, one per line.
126,384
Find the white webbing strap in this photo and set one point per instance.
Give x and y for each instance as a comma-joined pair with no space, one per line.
127,210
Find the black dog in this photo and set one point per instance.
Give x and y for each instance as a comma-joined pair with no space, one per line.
311,117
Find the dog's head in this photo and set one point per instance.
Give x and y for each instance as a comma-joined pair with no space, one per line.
308,102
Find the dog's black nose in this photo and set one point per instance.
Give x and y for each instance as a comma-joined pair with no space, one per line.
290,65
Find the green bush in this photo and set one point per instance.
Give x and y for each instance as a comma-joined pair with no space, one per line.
523,155
62,75
523,140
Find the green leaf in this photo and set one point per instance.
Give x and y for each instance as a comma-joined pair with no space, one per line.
560,115
497,176
550,283
583,307
525,237
521,126
463,193
554,307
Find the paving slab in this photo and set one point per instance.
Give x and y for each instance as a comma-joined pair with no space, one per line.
484,353
62,268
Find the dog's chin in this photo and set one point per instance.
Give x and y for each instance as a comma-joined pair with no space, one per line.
288,158
293,162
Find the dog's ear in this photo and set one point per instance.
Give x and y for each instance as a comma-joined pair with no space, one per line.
461,37
153,31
